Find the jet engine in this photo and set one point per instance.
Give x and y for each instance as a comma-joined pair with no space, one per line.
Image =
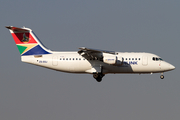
112,59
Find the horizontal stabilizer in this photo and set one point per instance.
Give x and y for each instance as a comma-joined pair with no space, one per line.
16,29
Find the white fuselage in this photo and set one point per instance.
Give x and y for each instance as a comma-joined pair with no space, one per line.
86,60
74,63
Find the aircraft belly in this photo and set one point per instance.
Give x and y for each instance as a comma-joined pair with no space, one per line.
128,69
146,69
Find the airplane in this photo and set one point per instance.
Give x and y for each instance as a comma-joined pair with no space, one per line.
86,60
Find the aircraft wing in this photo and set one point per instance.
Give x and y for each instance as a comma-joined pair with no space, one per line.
90,53
90,50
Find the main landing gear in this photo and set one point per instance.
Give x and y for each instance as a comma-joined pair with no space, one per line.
162,76
98,76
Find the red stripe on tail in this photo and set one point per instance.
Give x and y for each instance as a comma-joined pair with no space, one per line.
23,38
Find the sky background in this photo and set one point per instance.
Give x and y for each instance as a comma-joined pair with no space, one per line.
29,92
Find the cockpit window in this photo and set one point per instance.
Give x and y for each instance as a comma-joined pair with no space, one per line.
157,59
161,59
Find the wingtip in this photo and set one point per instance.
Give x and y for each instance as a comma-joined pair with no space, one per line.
82,48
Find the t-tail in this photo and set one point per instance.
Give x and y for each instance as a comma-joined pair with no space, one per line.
27,42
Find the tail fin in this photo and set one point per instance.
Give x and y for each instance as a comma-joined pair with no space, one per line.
27,42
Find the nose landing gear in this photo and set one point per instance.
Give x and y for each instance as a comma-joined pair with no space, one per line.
162,76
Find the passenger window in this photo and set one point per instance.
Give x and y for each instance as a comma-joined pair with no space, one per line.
76,58
79,58
132,58
66,58
126,58
63,58
69,58
60,58
73,58
135,58
129,58
139,58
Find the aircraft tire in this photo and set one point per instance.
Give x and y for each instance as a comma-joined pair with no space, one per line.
98,76
95,76
99,79
162,76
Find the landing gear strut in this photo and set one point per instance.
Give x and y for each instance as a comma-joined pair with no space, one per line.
162,76
98,76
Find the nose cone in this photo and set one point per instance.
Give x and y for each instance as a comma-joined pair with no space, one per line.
167,66
171,67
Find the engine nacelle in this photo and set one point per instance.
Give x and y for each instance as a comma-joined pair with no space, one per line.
109,58
112,59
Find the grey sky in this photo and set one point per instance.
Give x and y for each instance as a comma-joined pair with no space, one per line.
28,92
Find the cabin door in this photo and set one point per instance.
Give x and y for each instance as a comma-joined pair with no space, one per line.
55,60
145,60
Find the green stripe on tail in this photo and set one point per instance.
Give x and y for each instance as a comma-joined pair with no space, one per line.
21,48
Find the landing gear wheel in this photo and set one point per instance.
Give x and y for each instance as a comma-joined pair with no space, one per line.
162,76
98,76
99,79
95,76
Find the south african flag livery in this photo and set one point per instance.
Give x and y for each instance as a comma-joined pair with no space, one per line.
27,42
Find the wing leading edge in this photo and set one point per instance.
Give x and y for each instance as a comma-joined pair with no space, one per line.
90,50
